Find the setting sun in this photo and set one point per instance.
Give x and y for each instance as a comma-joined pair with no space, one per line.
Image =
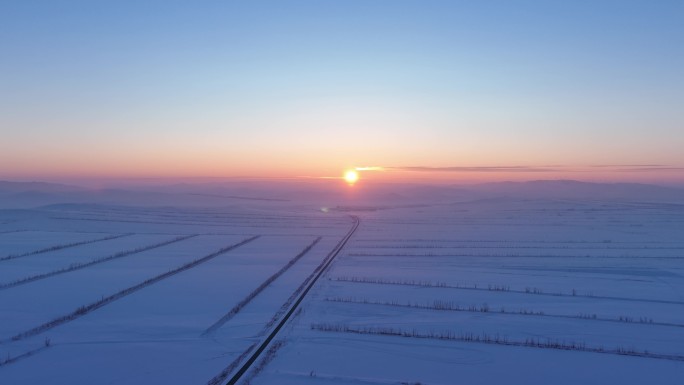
351,176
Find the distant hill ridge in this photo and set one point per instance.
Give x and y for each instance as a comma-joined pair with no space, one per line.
327,193
578,189
15,187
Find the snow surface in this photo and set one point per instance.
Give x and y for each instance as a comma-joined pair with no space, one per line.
594,274
597,278
156,334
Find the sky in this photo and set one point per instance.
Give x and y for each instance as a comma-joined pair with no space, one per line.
405,90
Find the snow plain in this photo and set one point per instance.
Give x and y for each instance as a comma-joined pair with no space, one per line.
500,291
497,292
156,333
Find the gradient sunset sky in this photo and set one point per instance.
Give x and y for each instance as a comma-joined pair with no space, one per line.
457,90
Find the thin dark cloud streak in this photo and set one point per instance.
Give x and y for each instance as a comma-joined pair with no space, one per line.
473,169
532,169
650,169
629,165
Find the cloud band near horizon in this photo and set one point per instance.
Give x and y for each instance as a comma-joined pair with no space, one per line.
527,169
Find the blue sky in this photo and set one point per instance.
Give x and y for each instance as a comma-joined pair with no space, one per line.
227,88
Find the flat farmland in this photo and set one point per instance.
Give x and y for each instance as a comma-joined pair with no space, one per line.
130,295
486,292
540,291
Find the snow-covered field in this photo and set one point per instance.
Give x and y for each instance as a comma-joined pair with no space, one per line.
504,291
146,326
492,292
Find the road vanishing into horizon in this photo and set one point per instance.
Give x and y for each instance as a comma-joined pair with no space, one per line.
271,336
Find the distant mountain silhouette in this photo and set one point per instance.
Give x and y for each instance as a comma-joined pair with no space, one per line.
327,193
572,189
43,187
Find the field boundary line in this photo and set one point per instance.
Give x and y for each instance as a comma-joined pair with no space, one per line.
265,343
85,309
236,309
65,246
78,266
497,289
486,309
539,343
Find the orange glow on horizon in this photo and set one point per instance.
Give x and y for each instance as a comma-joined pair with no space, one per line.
155,164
